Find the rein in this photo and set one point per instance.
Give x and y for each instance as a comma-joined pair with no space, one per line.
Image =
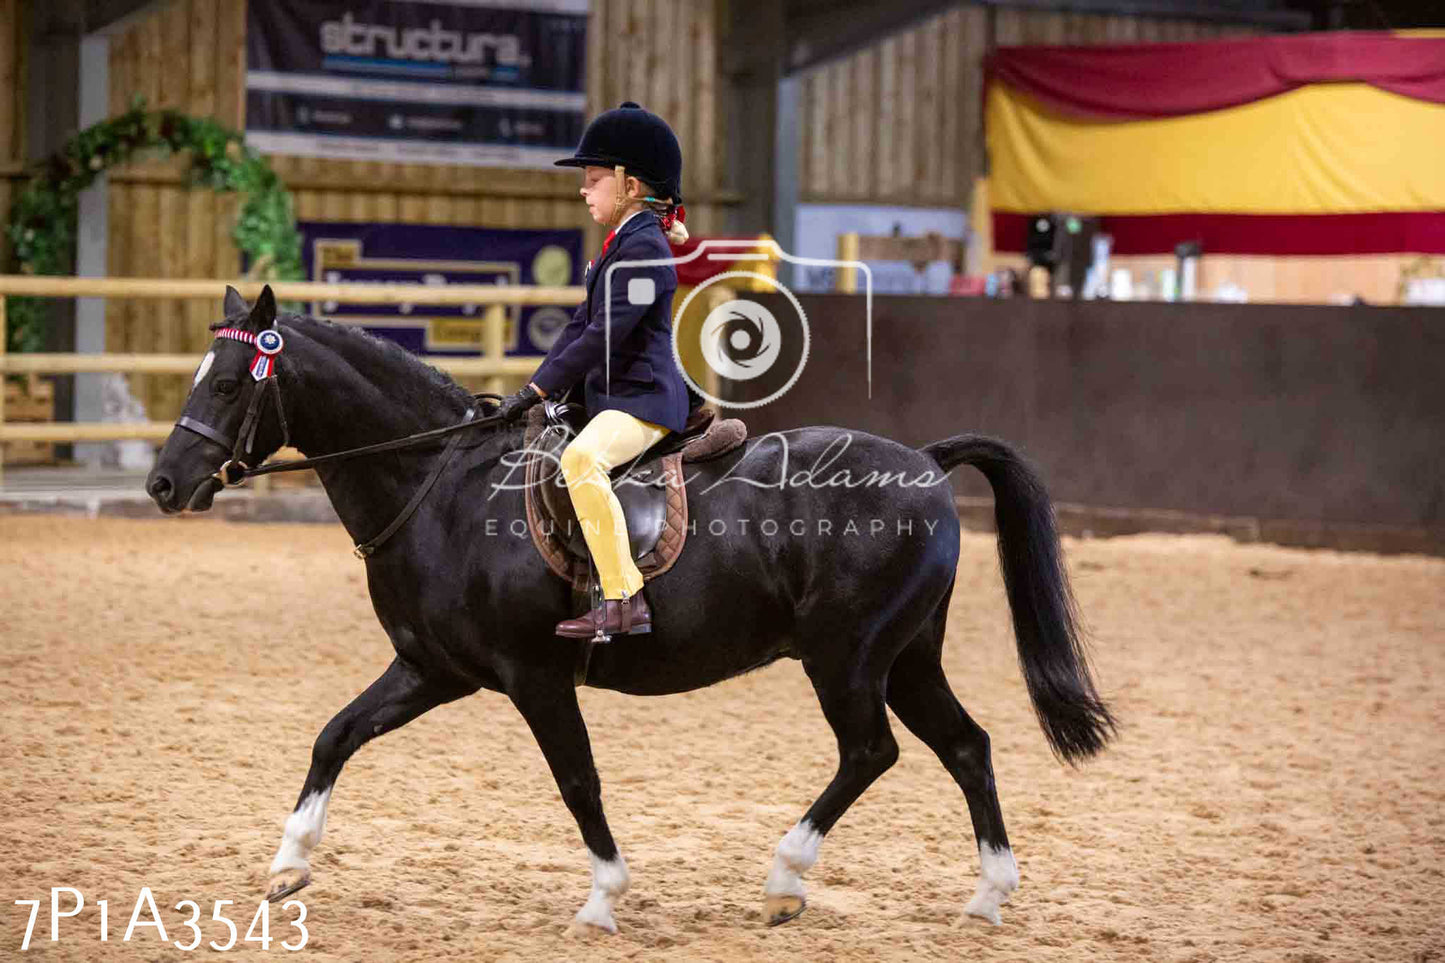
234,470
409,441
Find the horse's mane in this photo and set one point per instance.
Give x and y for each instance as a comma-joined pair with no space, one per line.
407,380
384,356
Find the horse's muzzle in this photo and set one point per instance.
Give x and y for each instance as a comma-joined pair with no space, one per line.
167,497
163,491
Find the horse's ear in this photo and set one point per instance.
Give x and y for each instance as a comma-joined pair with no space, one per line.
234,303
263,315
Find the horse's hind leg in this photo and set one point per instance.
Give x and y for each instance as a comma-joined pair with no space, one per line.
853,705
919,695
397,697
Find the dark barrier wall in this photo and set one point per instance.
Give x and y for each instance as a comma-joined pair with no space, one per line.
1317,414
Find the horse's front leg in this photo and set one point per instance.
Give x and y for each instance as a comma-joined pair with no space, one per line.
397,697
551,711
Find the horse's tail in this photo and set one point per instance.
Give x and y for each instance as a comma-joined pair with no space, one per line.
1074,718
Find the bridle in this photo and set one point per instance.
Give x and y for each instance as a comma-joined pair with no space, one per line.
234,470
268,345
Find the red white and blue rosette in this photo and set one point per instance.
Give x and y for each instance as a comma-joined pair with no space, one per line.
268,345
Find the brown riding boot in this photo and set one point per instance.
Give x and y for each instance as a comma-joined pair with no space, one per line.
629,616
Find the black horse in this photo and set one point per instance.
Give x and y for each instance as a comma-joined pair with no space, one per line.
853,579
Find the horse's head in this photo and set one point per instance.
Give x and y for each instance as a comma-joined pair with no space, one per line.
233,413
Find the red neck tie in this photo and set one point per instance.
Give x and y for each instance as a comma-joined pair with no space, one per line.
610,235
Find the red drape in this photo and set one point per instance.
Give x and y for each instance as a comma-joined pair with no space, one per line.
1165,80
701,268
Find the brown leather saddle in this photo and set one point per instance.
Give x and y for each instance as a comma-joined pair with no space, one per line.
651,489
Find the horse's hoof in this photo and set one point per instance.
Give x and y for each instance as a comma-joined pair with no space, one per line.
286,882
779,909
985,909
588,929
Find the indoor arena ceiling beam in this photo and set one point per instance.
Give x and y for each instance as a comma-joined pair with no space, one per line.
1271,14
823,30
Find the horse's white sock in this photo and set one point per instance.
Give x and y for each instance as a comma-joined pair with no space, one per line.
998,877
610,880
795,855
302,833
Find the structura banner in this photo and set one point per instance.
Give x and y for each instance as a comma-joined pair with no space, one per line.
482,83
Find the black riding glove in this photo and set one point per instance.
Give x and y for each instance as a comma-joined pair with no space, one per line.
515,406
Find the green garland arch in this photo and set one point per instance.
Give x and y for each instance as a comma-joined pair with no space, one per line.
42,225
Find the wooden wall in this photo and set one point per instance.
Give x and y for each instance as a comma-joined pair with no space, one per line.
12,109
901,122
190,55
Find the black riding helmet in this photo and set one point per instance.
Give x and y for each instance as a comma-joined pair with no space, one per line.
637,139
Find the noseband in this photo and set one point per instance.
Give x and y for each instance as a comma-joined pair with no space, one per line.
268,346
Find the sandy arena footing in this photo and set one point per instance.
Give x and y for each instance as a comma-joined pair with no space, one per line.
1277,792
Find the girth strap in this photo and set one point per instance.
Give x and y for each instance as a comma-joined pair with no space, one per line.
367,548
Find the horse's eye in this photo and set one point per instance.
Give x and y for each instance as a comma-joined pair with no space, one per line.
226,386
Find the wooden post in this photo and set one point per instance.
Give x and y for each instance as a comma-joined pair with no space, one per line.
493,339
848,245
980,253
2,388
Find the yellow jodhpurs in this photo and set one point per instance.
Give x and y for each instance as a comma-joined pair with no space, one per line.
611,438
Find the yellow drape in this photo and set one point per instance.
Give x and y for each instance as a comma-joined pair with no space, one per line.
1324,148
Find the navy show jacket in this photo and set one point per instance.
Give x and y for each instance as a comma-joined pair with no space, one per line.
645,380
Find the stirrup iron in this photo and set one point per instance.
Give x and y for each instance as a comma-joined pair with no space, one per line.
597,603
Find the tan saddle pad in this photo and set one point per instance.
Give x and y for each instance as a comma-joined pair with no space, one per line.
650,488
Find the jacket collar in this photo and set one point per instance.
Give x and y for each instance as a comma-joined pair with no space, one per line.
633,224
